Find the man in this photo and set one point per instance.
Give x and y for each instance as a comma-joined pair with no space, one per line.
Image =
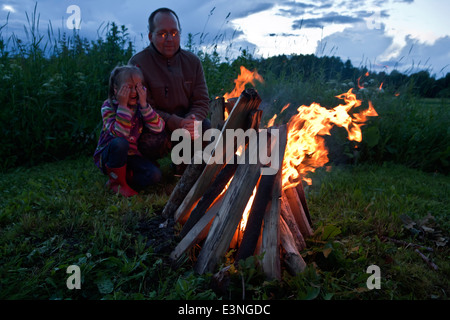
175,79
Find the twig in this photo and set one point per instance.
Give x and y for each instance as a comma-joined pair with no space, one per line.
430,263
407,244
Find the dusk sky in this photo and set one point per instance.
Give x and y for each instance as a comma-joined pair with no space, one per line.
408,35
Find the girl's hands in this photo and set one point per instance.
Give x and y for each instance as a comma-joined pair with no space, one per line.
122,95
142,92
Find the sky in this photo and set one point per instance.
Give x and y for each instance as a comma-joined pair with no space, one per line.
407,35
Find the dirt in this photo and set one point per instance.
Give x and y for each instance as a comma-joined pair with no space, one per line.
159,232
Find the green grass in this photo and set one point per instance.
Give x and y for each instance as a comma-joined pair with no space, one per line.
60,213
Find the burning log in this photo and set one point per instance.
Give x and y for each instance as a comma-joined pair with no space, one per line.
211,194
217,110
255,218
301,195
260,206
198,232
248,101
298,212
289,219
270,244
230,213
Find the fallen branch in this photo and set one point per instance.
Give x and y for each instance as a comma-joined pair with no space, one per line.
407,244
428,261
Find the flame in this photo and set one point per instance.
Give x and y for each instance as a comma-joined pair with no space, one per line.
359,85
244,219
245,77
271,121
225,114
305,149
285,107
381,86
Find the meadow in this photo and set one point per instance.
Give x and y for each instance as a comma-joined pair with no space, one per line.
385,202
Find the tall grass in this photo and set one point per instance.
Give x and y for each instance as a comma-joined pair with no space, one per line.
52,86
51,91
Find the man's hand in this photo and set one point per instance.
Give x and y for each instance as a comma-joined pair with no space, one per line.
190,124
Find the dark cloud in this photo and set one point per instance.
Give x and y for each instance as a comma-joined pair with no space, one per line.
331,18
246,10
284,34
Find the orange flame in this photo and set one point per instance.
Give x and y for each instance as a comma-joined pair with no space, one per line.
245,77
285,107
272,121
305,149
360,86
244,219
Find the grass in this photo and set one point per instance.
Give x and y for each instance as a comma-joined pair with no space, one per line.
58,214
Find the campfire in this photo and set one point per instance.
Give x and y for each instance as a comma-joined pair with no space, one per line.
233,209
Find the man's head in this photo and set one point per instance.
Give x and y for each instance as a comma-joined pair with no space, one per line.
164,31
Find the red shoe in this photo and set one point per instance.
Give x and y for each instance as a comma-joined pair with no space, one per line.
118,181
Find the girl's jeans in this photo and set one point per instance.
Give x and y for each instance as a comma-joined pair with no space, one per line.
144,171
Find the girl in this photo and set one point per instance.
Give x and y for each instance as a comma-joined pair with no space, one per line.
125,114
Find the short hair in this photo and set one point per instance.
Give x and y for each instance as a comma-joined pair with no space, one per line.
151,18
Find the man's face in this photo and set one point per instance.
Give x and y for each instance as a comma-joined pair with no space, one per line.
166,36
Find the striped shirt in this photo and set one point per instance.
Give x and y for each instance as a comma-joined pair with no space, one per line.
126,122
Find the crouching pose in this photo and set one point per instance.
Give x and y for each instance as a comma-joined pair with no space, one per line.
125,114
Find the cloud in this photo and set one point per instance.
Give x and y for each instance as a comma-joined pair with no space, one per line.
330,18
358,43
416,55
246,10
8,8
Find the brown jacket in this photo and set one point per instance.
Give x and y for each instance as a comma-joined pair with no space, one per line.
176,86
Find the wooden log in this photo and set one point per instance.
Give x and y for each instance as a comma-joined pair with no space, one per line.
298,212
229,215
301,194
198,232
271,234
270,244
217,108
211,194
261,202
294,261
184,185
249,100
254,119
255,217
289,219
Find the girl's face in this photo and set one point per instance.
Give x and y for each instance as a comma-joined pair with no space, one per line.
132,83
